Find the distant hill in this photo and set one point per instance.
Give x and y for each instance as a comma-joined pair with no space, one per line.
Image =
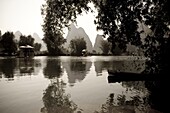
17,35
97,44
78,33
37,39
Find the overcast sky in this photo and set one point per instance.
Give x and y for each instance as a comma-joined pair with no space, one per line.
25,16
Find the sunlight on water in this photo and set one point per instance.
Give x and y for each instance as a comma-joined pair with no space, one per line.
69,84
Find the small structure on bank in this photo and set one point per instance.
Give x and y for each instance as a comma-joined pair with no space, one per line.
26,51
84,52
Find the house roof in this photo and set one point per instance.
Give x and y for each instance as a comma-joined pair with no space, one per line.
26,47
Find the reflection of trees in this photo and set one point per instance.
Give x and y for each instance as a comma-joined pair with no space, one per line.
145,97
53,68
129,66
19,67
56,101
26,66
7,67
101,65
149,97
120,104
76,69
134,85
126,65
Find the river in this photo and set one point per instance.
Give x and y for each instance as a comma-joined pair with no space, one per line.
68,84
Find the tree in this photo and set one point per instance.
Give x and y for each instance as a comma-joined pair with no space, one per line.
8,43
53,20
37,47
26,40
77,45
105,47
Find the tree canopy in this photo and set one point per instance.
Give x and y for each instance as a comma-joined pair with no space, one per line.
8,44
77,45
105,47
26,40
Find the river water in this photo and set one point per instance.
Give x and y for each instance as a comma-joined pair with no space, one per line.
68,84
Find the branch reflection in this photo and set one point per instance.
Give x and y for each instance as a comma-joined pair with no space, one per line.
56,100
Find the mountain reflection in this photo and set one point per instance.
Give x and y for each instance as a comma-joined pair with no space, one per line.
56,100
53,68
76,70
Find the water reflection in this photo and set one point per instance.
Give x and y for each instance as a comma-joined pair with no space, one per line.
56,100
58,96
7,67
100,66
76,70
53,68
136,66
120,104
11,67
139,101
26,66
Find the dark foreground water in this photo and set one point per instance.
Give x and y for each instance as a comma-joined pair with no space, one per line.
73,85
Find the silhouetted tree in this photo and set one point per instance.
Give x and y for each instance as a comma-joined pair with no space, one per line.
77,45
8,44
37,47
26,40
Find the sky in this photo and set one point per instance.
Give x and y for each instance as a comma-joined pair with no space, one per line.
25,16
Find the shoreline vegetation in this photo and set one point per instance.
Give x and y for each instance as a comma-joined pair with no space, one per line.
46,54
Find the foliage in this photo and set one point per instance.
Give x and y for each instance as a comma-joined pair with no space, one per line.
119,20
37,46
57,15
77,45
105,47
8,44
157,44
26,40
